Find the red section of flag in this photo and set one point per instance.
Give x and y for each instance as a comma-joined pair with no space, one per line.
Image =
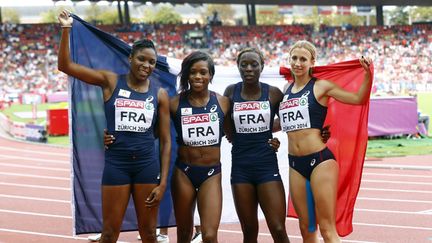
348,140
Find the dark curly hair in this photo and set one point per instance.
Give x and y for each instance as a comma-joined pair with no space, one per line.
187,63
141,44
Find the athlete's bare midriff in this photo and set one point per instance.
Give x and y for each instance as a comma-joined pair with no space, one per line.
304,142
203,156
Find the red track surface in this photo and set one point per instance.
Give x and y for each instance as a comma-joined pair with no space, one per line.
394,203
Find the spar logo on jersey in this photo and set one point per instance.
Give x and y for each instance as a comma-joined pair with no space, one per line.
289,104
126,103
247,106
199,118
295,102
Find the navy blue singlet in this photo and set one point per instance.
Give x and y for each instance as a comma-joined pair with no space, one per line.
199,126
301,110
253,123
131,118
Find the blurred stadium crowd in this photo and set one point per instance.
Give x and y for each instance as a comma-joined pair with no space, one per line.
402,54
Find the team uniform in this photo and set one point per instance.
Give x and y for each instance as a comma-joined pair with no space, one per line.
131,118
254,161
299,111
199,127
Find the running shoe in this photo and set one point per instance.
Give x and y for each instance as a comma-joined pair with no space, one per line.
94,238
197,238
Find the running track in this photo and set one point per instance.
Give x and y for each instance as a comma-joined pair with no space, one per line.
394,203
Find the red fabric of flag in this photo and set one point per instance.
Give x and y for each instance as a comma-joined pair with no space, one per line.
348,139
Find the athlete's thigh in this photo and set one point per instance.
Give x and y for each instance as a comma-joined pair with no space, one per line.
324,181
147,217
297,192
184,197
271,197
246,202
114,203
209,202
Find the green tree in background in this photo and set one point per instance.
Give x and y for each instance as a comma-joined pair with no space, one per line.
167,15
421,14
148,16
10,15
101,15
109,17
164,15
51,15
398,16
225,12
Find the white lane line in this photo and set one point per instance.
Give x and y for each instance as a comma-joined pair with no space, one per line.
394,190
35,198
45,161
394,226
392,200
42,234
426,212
398,182
46,234
65,154
356,209
33,167
396,166
34,186
35,214
355,223
291,236
392,211
36,176
397,175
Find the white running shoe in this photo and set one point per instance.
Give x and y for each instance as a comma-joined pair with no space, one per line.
159,238
197,238
94,238
162,238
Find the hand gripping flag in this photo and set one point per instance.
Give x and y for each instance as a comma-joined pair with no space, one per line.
94,48
349,135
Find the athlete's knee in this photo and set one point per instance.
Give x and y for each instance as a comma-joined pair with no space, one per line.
279,233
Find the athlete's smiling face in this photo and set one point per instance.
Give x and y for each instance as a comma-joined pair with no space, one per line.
199,76
143,62
301,61
250,67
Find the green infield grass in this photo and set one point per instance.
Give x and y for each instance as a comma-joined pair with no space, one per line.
16,108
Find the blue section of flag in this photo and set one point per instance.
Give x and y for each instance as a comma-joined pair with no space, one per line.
96,49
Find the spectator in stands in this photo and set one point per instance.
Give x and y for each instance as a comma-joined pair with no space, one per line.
130,166
311,162
255,178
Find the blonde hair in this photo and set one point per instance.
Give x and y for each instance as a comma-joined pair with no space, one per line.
306,45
